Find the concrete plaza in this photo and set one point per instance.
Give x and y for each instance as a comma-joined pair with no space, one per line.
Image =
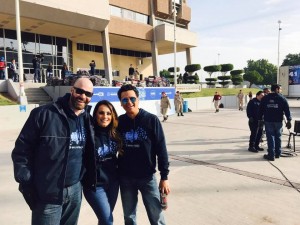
214,179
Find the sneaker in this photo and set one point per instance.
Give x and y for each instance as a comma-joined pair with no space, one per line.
277,156
252,149
259,148
267,157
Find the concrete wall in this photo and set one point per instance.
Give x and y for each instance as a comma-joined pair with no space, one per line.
206,102
193,103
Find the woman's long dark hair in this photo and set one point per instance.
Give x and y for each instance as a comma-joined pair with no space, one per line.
113,133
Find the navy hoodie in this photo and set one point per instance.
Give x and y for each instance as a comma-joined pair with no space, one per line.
143,141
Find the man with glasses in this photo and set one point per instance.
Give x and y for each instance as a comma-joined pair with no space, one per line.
48,156
272,109
143,144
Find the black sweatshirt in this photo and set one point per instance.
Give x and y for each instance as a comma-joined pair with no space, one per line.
143,141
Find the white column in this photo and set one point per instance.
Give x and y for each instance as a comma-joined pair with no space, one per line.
22,96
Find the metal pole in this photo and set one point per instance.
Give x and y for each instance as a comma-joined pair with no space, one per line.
22,97
278,59
175,68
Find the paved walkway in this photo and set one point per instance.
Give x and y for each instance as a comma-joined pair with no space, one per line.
214,179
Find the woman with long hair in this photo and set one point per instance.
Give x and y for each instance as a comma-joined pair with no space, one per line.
101,185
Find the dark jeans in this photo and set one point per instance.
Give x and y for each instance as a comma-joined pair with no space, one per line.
103,201
148,187
256,133
273,133
65,214
37,76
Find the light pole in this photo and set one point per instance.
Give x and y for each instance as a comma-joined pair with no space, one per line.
218,58
175,50
22,97
278,58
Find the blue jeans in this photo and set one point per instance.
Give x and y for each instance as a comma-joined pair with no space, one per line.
103,201
273,133
65,214
148,187
37,76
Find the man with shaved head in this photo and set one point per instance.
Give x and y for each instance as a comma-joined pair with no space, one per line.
48,156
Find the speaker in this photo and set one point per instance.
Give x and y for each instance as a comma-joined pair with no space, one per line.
297,126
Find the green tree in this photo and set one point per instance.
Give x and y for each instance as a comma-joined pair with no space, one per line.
211,69
236,77
253,77
267,70
225,68
224,80
190,69
291,60
164,73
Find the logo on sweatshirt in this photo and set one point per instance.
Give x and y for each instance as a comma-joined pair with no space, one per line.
105,150
134,135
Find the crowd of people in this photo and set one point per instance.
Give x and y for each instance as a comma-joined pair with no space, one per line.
267,110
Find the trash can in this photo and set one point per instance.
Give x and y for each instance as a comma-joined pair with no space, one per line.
185,106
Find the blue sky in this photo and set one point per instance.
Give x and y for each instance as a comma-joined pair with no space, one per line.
234,31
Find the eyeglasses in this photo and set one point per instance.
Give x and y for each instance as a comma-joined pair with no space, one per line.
124,101
81,91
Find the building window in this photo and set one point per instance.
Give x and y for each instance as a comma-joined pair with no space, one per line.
114,51
128,14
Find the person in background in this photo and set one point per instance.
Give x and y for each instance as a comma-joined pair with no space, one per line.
144,145
2,68
100,183
64,71
250,95
136,74
273,107
216,99
131,72
178,102
13,70
253,116
164,105
36,64
48,156
240,97
49,70
92,66
266,91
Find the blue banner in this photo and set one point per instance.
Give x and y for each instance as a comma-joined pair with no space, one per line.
145,93
294,75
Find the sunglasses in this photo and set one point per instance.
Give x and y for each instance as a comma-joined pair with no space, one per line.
124,101
80,91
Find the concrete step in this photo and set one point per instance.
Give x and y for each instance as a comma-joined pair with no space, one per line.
36,95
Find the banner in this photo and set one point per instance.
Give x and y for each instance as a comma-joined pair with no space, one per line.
145,93
294,75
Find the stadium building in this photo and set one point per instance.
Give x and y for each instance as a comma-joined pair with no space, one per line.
114,33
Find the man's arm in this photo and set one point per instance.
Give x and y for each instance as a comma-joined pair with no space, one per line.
22,154
162,157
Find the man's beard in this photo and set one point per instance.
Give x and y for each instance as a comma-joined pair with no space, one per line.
76,105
